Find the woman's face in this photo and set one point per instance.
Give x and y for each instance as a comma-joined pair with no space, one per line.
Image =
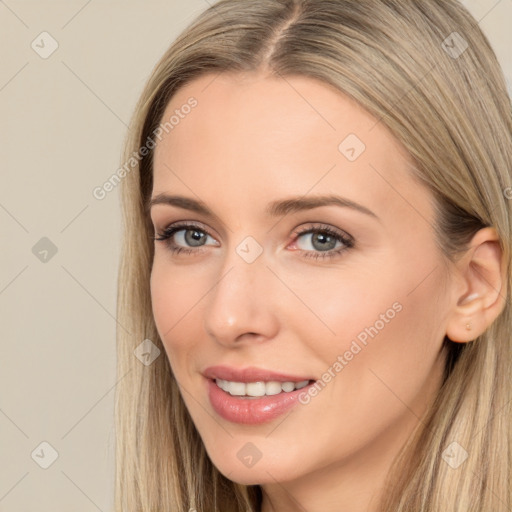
309,256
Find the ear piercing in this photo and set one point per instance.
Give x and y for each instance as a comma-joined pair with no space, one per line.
468,326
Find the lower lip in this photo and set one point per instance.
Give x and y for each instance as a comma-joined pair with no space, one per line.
251,411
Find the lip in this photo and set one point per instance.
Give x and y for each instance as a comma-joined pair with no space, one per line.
251,411
251,374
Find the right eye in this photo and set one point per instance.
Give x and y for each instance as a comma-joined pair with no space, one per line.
185,237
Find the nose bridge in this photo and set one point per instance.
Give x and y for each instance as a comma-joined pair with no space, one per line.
240,301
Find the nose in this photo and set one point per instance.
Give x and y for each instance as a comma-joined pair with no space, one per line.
240,306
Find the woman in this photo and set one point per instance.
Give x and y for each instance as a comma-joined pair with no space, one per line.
317,243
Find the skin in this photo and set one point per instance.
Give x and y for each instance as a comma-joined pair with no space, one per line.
252,140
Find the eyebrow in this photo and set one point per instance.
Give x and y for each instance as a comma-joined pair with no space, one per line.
274,209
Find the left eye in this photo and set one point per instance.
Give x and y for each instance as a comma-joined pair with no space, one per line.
319,241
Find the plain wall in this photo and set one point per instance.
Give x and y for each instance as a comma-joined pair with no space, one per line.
63,120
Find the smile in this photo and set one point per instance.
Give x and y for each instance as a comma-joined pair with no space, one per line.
258,389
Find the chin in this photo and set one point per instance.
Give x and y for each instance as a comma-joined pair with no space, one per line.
242,470
250,476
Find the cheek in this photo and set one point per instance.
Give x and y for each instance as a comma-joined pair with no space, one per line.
409,359
338,306
396,367
175,299
379,334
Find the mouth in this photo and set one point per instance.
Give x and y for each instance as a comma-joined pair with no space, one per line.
252,396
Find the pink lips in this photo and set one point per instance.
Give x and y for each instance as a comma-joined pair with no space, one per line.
250,411
250,374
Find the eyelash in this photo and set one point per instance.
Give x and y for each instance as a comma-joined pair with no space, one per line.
346,240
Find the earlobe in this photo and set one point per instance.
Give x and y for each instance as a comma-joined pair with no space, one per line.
466,321
482,271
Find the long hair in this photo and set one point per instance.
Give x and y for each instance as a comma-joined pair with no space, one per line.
425,70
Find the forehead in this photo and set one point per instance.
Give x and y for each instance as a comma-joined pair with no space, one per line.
261,108
278,136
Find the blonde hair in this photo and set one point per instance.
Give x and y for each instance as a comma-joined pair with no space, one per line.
448,106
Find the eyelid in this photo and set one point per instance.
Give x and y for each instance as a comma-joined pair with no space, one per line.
185,224
327,228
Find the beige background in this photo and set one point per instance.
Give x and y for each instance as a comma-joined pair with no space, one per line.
63,120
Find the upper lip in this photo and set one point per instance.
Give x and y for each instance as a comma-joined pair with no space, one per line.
250,374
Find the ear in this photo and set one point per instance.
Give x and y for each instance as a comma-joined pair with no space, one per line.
481,294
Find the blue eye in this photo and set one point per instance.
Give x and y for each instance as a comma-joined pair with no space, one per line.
319,241
323,242
185,238
191,237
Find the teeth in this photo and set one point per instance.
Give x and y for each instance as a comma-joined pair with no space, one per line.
258,389
288,386
273,388
255,388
